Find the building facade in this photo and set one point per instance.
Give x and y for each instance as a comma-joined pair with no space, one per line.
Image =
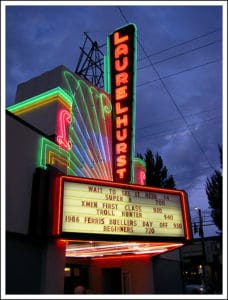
40,143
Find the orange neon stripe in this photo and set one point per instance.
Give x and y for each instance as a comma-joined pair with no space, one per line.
54,157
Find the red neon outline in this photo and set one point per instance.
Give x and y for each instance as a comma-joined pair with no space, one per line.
185,216
145,257
64,120
57,206
142,177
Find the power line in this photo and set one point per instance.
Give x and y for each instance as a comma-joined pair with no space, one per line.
171,97
179,54
173,130
180,72
182,43
177,107
176,119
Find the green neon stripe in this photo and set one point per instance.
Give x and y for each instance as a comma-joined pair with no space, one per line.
139,161
46,145
134,104
107,72
41,97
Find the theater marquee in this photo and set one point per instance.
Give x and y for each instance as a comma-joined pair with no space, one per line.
98,209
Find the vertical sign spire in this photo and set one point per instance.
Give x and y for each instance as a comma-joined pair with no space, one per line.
122,60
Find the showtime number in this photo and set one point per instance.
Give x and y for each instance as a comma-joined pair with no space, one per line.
177,225
160,202
168,217
157,210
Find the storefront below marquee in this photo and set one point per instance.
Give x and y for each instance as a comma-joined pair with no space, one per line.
117,268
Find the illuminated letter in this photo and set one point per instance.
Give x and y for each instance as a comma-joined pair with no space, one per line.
124,65
122,122
121,161
118,40
121,172
121,148
121,78
121,49
121,92
121,135
119,109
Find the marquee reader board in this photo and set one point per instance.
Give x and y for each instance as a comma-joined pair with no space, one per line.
84,208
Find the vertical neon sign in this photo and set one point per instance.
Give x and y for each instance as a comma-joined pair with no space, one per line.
122,58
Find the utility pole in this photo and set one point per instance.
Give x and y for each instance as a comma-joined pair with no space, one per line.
201,234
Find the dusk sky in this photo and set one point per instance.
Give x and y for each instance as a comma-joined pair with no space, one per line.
179,89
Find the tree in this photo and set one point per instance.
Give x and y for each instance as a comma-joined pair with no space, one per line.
214,194
156,172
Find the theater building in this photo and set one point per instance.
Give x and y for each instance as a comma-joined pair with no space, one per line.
77,209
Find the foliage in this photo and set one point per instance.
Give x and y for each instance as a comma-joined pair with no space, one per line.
156,172
214,194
